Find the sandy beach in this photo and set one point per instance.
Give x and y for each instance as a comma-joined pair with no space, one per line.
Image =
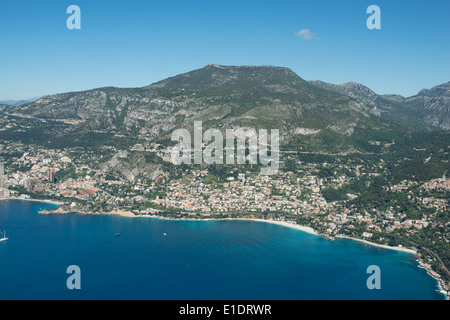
121,213
281,223
379,245
38,200
285,224
312,231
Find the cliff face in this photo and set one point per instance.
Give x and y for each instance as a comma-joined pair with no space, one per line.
429,109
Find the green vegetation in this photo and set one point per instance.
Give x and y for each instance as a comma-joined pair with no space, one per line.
332,194
370,169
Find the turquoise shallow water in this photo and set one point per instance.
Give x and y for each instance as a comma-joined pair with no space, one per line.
161,259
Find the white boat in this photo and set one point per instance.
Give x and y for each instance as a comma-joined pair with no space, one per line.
4,237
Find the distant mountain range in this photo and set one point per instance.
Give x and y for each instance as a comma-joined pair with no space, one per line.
429,108
310,115
18,102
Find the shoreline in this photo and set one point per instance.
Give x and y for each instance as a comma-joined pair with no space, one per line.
397,248
128,214
292,226
55,202
284,224
434,275
281,223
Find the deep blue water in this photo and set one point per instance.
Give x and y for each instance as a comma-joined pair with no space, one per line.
194,260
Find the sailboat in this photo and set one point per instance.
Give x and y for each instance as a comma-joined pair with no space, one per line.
4,237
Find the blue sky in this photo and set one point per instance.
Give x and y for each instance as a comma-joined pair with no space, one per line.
134,43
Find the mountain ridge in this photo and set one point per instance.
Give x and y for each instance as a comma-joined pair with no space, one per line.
308,113
403,110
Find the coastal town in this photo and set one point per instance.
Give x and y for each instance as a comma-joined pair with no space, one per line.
53,174
201,194
207,150
296,195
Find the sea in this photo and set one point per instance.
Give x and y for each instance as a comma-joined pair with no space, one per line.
120,258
